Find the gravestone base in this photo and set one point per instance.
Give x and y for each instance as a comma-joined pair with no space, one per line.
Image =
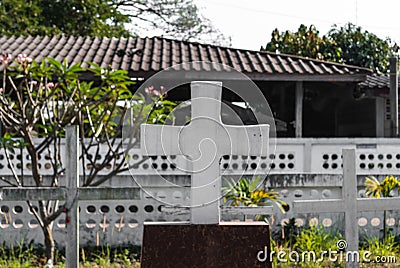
228,244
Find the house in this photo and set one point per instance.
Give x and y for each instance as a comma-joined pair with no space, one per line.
309,98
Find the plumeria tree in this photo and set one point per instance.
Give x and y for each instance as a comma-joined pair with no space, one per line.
39,99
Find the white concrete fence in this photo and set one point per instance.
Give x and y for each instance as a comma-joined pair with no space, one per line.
302,169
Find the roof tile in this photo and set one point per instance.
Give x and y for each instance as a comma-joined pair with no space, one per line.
155,54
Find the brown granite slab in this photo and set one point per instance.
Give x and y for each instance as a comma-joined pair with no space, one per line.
221,245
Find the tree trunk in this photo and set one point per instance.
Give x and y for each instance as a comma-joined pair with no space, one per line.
49,242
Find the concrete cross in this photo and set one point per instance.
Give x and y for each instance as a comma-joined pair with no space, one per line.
204,141
349,204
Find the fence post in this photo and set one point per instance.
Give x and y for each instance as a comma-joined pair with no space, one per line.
349,191
72,183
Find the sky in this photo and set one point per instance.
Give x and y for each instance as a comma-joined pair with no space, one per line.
250,22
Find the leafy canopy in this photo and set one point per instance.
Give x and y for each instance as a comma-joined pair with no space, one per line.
179,19
348,44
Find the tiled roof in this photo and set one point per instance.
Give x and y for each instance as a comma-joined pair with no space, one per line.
150,55
376,81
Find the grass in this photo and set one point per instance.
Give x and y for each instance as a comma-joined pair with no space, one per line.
319,239
299,239
22,256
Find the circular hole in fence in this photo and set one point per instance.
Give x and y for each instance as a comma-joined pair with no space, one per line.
389,156
19,165
104,209
47,166
1,157
370,156
89,166
90,209
325,165
397,165
290,156
135,156
284,221
61,223
163,157
391,221
145,166
298,193
375,222
334,166
153,157
154,165
253,165
149,208
34,208
362,166
263,165
119,224
326,193
133,209
362,221
133,223
313,222
325,157
380,165
172,156
172,166
234,157
33,223
4,224
327,222
164,166
362,156
272,165
272,156
18,209
4,209
161,195
380,156
18,223
371,165
244,157
119,209
90,224
104,224
334,156
299,222
397,156
282,165
235,166
225,166
284,193
159,208
253,157
245,166
389,165
282,156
